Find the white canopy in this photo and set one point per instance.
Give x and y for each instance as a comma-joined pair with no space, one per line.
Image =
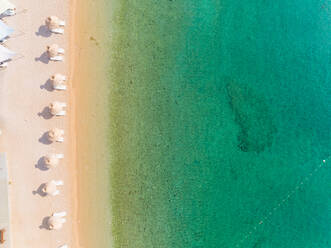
5,5
5,54
5,30
50,188
51,160
55,222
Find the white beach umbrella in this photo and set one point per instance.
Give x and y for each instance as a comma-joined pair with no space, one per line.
50,188
5,31
5,54
52,50
52,22
55,134
51,160
55,222
5,5
58,79
56,107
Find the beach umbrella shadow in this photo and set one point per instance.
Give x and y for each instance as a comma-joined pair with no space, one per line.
44,223
44,139
43,31
3,16
43,58
41,164
47,86
39,191
46,113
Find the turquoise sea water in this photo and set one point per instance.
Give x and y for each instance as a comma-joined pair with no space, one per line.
221,117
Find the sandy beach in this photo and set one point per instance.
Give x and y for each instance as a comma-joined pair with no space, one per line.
91,86
24,94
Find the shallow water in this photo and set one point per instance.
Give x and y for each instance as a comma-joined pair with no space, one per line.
220,119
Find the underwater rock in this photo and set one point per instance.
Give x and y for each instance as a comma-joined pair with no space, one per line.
253,117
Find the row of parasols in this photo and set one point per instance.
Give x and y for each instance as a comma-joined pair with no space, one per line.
58,82
54,24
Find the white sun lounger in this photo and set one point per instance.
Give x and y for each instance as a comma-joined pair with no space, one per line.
60,51
58,183
62,23
60,87
62,220
57,192
63,77
60,140
57,31
60,214
56,58
62,113
60,155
